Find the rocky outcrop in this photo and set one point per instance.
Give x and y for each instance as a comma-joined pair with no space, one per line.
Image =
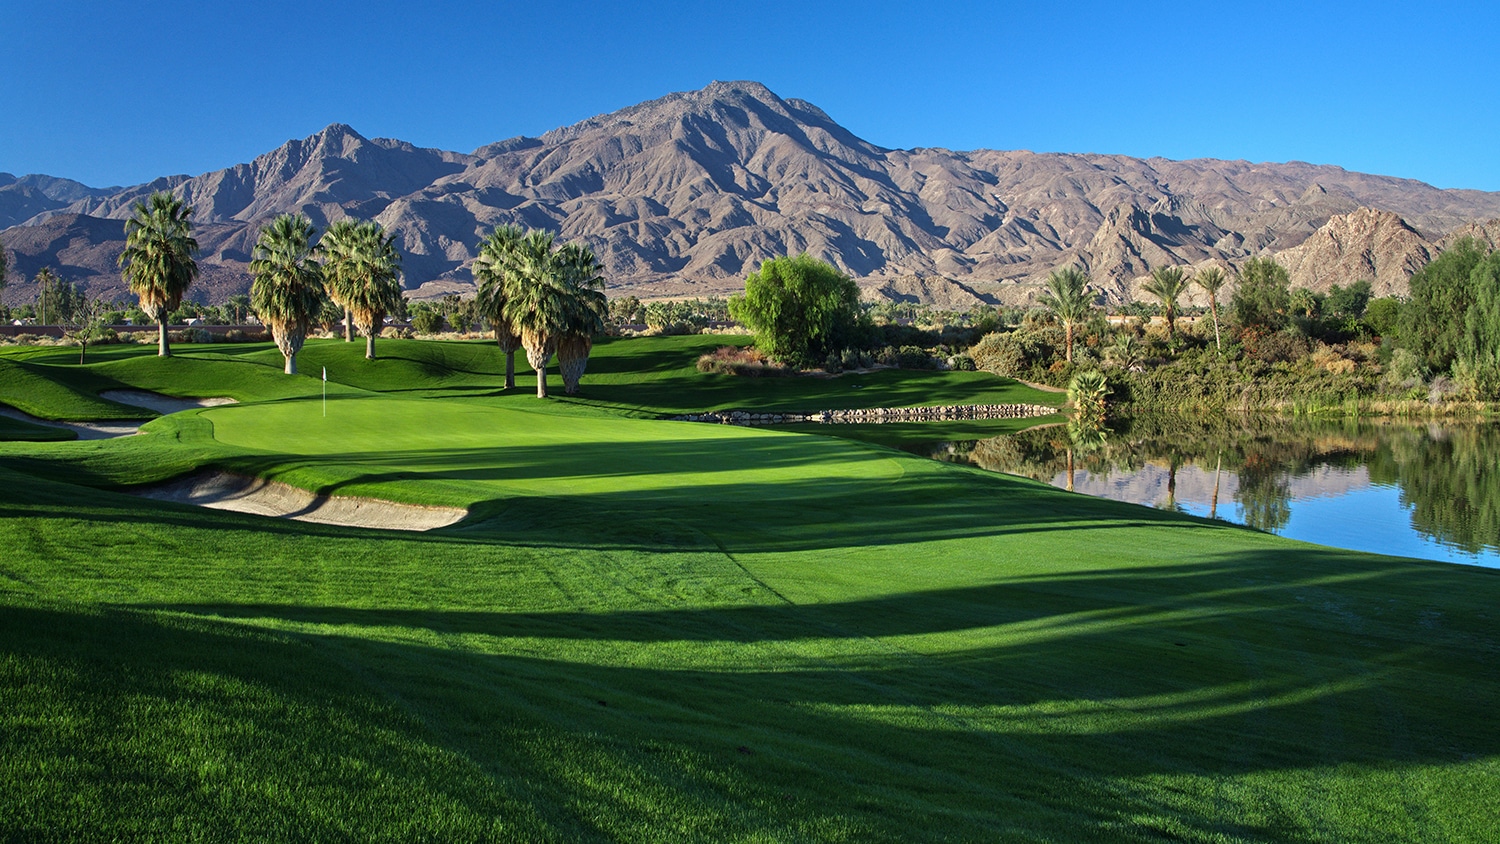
1365,245
929,290
873,416
1487,233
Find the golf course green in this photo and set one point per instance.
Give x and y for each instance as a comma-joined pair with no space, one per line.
649,630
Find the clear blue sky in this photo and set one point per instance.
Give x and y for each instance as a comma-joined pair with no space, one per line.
118,93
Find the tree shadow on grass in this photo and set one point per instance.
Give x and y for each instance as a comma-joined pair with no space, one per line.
1191,674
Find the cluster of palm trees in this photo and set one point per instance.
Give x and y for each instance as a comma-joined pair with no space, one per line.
545,297
538,294
1069,300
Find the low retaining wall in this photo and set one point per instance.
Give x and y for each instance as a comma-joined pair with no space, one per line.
876,415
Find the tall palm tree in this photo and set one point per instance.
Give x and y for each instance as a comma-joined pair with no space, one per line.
1167,284
337,246
288,290
1067,298
159,258
363,273
496,285
537,308
587,309
1211,280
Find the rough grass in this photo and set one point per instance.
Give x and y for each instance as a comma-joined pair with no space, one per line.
664,631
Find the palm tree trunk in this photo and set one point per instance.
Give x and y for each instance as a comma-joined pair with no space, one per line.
370,346
1070,470
1068,354
162,349
291,364
1213,308
510,369
349,327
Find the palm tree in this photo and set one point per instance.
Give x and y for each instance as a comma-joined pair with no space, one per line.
537,308
1167,284
1066,297
288,291
1211,279
158,262
496,283
239,306
587,309
337,246
363,271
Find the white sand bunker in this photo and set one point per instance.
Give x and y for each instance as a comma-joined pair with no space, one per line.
119,427
160,403
224,491
83,430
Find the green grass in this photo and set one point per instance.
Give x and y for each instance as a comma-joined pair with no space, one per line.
650,630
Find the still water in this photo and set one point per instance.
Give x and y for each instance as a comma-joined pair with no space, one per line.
1414,490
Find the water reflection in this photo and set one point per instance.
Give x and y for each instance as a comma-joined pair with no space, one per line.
1418,490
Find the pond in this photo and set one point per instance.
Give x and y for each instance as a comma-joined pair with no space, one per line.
1416,490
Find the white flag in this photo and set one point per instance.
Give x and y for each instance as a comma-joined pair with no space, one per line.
325,373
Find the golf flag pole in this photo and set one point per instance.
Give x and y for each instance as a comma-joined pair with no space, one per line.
325,391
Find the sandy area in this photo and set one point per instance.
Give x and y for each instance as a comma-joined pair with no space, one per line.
160,403
119,427
223,491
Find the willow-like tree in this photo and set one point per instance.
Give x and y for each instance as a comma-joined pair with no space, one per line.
1211,281
287,293
1167,284
585,312
362,271
1067,298
491,269
159,262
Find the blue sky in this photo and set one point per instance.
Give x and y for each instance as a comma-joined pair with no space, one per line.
116,93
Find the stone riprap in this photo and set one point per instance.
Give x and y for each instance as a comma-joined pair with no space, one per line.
874,415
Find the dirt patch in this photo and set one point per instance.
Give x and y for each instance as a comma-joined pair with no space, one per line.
224,491
160,403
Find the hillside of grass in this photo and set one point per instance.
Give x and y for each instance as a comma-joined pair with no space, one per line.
650,630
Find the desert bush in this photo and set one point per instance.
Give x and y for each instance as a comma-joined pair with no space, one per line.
963,363
914,357
735,360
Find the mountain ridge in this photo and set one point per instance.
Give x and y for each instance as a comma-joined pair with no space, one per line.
686,193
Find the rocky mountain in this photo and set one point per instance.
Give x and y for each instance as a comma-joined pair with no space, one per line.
1371,245
686,194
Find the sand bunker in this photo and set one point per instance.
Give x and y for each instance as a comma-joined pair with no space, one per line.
119,427
223,491
160,403
83,430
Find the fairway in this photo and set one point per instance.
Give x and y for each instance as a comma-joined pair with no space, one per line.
662,631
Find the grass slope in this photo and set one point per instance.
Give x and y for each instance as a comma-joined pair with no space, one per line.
663,631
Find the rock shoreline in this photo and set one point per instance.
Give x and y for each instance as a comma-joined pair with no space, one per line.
874,415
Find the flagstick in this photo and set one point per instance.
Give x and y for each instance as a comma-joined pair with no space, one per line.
325,392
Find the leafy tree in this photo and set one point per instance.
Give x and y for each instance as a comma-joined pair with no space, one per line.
84,321
1211,281
159,258
1435,319
495,287
425,319
288,290
1348,302
1068,300
799,308
1478,364
1168,284
1383,316
363,272
1263,298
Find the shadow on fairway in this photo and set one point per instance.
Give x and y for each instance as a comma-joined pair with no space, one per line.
1058,732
